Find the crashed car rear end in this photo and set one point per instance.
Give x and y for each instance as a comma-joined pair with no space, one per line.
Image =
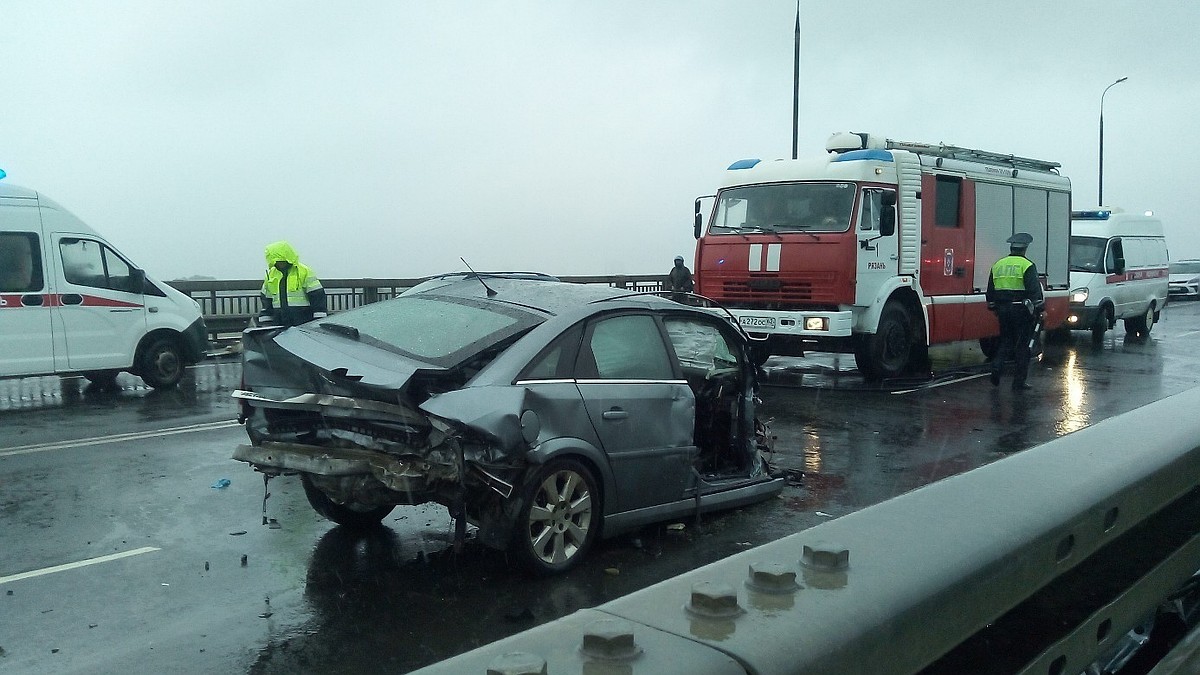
546,414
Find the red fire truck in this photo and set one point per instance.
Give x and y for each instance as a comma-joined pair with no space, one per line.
880,247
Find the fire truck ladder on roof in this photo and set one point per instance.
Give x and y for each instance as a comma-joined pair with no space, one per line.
969,154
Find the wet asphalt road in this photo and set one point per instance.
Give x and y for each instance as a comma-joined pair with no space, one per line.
204,586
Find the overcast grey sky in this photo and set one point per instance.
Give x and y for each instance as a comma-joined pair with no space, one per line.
386,139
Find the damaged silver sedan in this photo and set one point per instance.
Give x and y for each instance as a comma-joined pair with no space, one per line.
546,414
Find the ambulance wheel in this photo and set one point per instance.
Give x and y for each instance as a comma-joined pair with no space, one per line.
102,378
1141,325
161,363
347,515
888,352
1101,324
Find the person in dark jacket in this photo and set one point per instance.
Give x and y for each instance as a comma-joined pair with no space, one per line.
679,279
291,293
1014,293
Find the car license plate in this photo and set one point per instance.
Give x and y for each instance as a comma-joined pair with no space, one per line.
757,321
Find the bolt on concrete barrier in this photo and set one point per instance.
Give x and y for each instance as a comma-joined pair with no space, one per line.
610,639
825,557
772,577
517,663
714,599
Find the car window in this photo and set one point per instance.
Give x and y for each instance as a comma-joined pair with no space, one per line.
555,360
434,327
90,263
625,347
700,345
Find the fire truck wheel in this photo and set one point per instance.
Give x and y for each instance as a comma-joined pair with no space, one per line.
760,352
887,353
989,346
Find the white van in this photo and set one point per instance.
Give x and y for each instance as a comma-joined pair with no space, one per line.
1118,271
71,303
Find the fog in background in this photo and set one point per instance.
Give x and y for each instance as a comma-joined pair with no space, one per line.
387,139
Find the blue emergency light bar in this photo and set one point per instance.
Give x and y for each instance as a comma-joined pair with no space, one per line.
1101,214
2,174
744,164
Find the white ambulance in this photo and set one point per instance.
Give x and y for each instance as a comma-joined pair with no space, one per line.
71,303
1119,270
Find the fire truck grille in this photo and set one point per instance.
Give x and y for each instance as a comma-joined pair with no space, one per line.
812,287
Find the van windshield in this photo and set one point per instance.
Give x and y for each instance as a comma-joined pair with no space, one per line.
1087,254
784,207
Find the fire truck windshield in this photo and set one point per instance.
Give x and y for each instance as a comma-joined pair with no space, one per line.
784,207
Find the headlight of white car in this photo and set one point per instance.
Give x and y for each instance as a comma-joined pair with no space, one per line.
1079,295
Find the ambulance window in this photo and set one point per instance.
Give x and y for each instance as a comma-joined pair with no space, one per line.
90,263
1114,252
946,201
20,264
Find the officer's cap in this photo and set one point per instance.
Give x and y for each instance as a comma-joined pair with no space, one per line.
1020,240
678,258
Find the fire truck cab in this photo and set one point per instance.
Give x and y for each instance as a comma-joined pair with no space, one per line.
878,248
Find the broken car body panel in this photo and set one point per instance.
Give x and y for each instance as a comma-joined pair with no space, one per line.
485,400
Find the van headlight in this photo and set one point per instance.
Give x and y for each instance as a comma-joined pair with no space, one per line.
1079,295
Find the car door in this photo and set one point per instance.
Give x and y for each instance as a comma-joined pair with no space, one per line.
642,410
99,304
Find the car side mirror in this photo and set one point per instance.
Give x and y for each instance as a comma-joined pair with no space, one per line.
1119,266
698,221
887,219
137,280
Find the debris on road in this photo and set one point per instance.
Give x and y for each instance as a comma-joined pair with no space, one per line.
221,484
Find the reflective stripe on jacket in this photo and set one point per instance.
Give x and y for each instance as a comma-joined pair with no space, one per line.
300,282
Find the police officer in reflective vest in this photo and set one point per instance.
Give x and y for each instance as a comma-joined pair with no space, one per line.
291,293
1014,293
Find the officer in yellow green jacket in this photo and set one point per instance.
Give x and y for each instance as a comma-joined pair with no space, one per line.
291,293
1014,293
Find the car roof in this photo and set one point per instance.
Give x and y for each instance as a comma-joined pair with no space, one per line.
550,297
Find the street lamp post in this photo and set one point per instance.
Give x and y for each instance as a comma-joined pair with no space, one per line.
1100,190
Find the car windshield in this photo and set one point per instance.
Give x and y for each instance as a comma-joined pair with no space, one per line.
784,207
1087,254
1189,267
432,327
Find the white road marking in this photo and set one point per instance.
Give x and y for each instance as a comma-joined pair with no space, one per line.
75,565
115,438
942,384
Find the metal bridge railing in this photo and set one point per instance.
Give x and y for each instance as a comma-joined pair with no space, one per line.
228,305
1039,563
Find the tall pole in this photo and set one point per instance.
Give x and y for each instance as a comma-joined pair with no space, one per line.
796,88
1100,189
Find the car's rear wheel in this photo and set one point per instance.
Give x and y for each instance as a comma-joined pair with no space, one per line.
348,515
559,518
